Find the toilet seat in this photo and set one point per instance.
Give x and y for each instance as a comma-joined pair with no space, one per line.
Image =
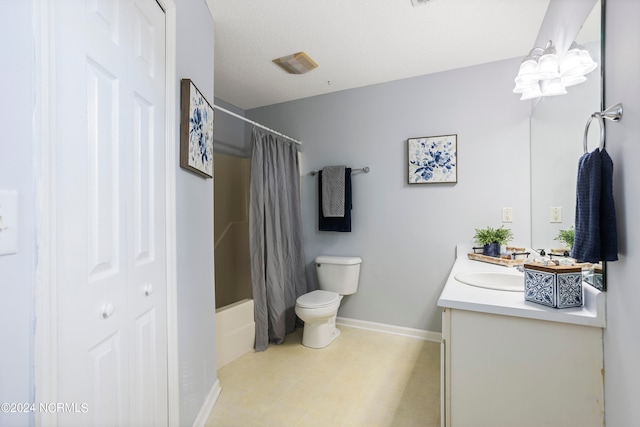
318,299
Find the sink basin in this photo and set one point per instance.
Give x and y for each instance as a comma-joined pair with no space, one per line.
493,280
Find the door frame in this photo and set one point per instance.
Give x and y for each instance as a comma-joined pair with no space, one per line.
46,291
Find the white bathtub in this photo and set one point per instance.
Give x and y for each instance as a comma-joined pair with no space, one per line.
235,331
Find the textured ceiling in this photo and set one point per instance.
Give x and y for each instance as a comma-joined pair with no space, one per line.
359,42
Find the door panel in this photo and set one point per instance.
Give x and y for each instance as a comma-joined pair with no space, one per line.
105,375
143,197
110,211
103,166
147,290
145,390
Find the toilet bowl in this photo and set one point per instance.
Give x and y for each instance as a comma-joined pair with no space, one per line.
337,276
318,310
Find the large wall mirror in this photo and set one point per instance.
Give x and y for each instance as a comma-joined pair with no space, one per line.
557,129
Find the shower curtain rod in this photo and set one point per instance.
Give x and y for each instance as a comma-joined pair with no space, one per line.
231,113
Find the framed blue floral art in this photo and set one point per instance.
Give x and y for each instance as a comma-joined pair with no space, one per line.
196,131
433,159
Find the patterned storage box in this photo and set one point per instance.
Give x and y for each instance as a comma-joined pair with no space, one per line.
553,286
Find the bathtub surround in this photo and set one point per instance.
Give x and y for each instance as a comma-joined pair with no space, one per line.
275,235
235,331
231,229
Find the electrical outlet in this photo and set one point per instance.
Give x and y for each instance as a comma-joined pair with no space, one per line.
507,214
555,214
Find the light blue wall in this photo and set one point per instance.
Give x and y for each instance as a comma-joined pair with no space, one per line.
16,173
196,297
621,338
406,234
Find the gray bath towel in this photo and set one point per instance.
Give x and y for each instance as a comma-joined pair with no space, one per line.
333,188
336,223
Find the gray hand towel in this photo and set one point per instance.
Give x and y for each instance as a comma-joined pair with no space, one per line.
333,188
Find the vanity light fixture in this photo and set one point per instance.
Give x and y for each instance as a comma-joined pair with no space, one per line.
543,73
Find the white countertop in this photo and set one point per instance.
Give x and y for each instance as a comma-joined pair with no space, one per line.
472,298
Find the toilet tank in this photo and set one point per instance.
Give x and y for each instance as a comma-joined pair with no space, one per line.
338,274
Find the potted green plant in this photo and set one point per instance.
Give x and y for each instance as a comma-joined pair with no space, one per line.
491,238
566,237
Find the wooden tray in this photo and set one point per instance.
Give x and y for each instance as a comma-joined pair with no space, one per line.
496,260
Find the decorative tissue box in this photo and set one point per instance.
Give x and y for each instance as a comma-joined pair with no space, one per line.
553,285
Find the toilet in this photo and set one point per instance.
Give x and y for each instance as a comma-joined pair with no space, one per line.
337,276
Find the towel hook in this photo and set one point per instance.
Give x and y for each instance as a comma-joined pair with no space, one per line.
612,113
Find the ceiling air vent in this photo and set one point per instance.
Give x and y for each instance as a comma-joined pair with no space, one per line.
298,63
419,2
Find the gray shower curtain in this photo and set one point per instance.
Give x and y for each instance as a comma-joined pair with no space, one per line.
275,236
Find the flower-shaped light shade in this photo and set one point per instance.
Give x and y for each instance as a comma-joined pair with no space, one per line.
528,68
532,91
548,63
572,80
527,74
587,62
552,87
570,65
576,62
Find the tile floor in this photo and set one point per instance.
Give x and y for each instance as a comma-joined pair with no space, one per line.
363,379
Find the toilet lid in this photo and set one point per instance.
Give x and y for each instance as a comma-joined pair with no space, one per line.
317,299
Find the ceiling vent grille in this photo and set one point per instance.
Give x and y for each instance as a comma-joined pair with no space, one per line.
298,63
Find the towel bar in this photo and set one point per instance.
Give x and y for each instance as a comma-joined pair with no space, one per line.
612,113
365,169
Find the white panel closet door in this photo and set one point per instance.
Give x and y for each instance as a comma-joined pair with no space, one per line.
110,212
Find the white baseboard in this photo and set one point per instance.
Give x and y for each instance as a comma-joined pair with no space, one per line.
390,329
207,406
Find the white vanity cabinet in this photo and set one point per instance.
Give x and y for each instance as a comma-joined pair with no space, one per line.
507,371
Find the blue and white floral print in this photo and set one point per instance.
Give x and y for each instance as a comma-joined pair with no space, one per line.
200,133
432,159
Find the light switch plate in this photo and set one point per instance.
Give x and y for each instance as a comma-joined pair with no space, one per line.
8,222
555,214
